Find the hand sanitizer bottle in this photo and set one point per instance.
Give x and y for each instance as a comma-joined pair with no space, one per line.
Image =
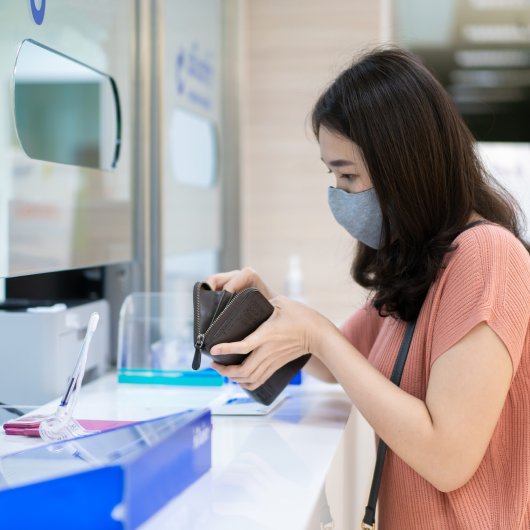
294,285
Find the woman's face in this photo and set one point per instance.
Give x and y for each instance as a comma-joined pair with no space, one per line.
343,158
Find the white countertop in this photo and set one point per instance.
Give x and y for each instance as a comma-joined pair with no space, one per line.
268,472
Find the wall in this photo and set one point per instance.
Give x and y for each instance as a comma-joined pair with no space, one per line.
292,50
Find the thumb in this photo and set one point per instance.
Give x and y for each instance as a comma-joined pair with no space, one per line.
249,343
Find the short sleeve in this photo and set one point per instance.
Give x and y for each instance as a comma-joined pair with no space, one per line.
486,279
362,328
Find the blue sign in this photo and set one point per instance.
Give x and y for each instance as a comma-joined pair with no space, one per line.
38,12
194,75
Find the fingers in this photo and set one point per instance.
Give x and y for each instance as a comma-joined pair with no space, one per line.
235,372
245,278
256,382
248,344
257,378
219,281
249,377
246,373
233,281
254,369
237,280
262,374
253,364
243,346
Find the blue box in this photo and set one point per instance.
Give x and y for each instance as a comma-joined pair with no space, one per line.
297,379
115,479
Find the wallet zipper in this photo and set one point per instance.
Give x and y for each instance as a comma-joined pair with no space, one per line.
201,337
196,364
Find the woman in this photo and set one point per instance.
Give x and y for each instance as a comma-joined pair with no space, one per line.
408,185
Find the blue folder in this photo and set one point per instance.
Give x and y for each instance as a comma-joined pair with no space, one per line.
115,479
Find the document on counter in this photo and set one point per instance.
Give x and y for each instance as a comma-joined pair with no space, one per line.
240,404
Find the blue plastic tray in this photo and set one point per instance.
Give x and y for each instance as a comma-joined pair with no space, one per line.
142,376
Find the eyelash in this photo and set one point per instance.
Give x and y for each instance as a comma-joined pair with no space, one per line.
348,177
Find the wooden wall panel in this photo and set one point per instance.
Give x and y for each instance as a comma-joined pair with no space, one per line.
292,49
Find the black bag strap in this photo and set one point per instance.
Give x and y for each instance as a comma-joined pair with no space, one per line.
475,223
369,514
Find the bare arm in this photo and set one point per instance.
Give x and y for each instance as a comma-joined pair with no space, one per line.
443,438
318,369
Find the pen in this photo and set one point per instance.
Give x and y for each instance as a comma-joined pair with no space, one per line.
60,425
79,369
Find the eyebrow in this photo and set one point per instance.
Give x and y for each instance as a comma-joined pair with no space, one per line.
339,163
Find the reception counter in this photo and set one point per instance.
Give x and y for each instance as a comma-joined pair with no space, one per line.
268,472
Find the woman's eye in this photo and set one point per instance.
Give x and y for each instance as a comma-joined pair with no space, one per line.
349,176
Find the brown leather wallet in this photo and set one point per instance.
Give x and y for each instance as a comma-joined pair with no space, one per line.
222,316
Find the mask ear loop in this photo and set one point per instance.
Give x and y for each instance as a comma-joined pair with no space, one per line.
61,425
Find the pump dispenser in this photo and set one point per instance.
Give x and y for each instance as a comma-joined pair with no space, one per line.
294,284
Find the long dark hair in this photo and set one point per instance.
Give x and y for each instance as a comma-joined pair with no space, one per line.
423,165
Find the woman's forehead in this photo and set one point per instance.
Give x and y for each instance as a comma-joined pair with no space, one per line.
337,148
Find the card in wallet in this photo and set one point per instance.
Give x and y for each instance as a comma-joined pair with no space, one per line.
222,316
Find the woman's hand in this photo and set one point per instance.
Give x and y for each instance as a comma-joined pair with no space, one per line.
235,281
292,331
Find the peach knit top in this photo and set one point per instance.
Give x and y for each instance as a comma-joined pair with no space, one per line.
486,279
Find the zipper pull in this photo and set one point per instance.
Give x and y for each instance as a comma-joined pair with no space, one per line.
196,364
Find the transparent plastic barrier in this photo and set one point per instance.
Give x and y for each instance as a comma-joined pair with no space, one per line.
155,342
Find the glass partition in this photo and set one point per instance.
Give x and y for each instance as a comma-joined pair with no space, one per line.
67,161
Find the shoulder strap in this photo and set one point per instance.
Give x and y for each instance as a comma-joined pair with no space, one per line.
369,515
475,223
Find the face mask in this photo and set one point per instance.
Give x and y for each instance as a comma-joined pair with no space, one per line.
359,213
